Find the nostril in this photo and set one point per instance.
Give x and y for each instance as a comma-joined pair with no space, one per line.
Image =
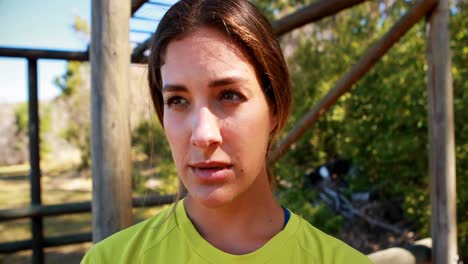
205,139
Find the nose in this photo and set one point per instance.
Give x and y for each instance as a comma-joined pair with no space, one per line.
205,131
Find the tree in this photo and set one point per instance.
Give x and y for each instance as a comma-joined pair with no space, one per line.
22,128
75,96
382,123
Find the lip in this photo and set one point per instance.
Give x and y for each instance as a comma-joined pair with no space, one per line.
211,171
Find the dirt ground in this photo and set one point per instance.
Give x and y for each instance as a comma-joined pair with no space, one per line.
58,186
65,254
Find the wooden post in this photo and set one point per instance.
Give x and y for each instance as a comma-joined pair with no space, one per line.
441,137
311,13
34,160
110,129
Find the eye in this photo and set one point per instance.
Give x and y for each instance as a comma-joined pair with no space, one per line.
230,95
176,102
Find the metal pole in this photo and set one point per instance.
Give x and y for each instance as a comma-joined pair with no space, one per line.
34,158
441,137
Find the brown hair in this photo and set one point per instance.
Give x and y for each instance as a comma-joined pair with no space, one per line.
247,27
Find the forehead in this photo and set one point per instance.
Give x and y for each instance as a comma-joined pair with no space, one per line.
203,37
206,50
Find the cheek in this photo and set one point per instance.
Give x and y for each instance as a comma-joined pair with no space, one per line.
250,130
175,136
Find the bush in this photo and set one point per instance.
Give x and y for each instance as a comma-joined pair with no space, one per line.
22,128
148,138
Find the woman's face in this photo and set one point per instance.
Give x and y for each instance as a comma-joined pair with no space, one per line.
216,118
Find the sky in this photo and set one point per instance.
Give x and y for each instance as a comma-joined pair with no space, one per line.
44,24
47,24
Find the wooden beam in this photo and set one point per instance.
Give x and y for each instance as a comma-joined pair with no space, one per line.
158,3
142,18
141,31
311,13
79,207
373,54
45,210
136,4
34,160
16,246
43,54
47,54
441,136
110,127
138,52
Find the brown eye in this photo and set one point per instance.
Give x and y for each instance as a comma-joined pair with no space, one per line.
230,95
176,102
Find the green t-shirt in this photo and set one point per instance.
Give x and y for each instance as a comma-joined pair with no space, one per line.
172,238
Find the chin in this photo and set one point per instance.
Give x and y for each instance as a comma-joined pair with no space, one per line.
211,197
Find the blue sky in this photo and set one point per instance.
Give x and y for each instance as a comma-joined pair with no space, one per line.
47,24
44,24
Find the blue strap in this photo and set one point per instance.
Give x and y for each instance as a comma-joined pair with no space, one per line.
287,215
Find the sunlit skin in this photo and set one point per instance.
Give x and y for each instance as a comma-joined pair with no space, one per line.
218,124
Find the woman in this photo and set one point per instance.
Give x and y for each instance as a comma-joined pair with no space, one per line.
221,90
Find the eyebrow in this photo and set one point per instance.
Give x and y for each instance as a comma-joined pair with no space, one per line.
173,88
215,83
226,81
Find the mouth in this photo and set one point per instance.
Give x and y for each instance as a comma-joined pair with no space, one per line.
211,172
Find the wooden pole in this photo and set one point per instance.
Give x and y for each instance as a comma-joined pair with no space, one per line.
372,56
110,130
311,13
34,159
441,137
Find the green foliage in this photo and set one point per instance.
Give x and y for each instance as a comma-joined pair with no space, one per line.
79,136
148,138
75,98
45,127
21,119
81,25
22,127
459,47
316,214
382,124
71,80
81,28
276,9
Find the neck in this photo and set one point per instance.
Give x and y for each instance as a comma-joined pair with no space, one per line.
243,225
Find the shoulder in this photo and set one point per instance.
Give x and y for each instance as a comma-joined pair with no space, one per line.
325,248
132,242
